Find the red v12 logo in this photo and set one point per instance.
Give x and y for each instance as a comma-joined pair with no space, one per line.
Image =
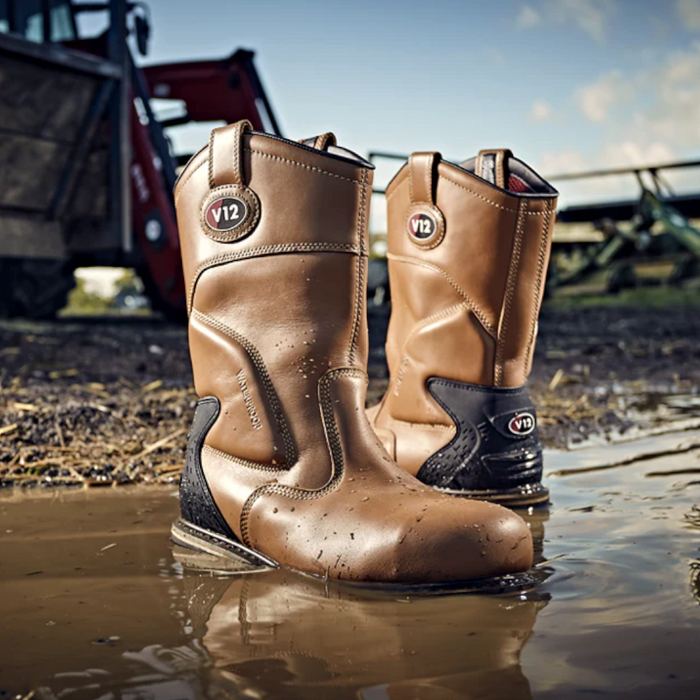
422,225
225,213
522,424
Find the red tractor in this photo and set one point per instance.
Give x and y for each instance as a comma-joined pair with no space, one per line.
87,167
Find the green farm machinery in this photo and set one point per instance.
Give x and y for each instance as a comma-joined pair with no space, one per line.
613,246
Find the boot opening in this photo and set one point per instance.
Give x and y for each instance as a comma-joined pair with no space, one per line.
520,177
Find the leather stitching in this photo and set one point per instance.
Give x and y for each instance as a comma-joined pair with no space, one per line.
500,391
243,462
363,213
510,290
236,169
436,268
334,444
290,452
500,180
304,165
428,426
184,181
405,356
489,201
443,313
360,279
260,251
324,140
479,196
210,159
208,162
538,284
429,180
237,131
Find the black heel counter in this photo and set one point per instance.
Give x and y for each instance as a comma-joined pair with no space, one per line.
496,447
197,505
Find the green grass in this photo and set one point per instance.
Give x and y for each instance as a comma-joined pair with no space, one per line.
659,297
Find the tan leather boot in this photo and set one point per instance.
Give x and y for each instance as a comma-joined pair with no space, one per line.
468,251
282,466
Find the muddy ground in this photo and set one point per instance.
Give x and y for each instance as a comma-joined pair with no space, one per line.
102,401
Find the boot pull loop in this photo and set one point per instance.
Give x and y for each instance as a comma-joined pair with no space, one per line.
421,167
230,211
321,142
226,154
492,166
426,224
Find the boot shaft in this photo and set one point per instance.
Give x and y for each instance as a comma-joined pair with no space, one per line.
274,246
468,249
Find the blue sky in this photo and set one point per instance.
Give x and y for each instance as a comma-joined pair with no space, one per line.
569,85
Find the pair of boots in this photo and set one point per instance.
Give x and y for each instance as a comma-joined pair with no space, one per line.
282,466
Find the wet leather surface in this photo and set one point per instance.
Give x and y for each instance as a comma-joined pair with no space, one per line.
464,309
334,503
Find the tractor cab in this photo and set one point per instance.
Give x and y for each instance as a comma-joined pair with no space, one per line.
40,21
88,163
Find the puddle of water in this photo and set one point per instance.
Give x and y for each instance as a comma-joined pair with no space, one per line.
93,604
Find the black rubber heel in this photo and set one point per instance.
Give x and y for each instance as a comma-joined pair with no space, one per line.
204,537
495,455
197,505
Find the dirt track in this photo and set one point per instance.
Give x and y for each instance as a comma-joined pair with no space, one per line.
103,402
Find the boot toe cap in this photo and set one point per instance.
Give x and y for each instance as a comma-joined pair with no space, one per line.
458,540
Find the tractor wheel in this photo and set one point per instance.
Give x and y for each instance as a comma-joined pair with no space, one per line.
31,288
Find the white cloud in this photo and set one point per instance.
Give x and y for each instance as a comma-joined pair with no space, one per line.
674,115
649,118
634,154
540,111
689,13
597,99
569,162
592,16
611,155
528,17
658,104
562,162
624,154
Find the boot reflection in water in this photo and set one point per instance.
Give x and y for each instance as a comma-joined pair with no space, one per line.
287,636
279,635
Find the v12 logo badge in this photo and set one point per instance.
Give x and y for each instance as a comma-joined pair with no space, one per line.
226,213
522,424
422,225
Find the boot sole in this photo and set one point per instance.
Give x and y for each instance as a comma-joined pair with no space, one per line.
207,551
518,497
211,549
